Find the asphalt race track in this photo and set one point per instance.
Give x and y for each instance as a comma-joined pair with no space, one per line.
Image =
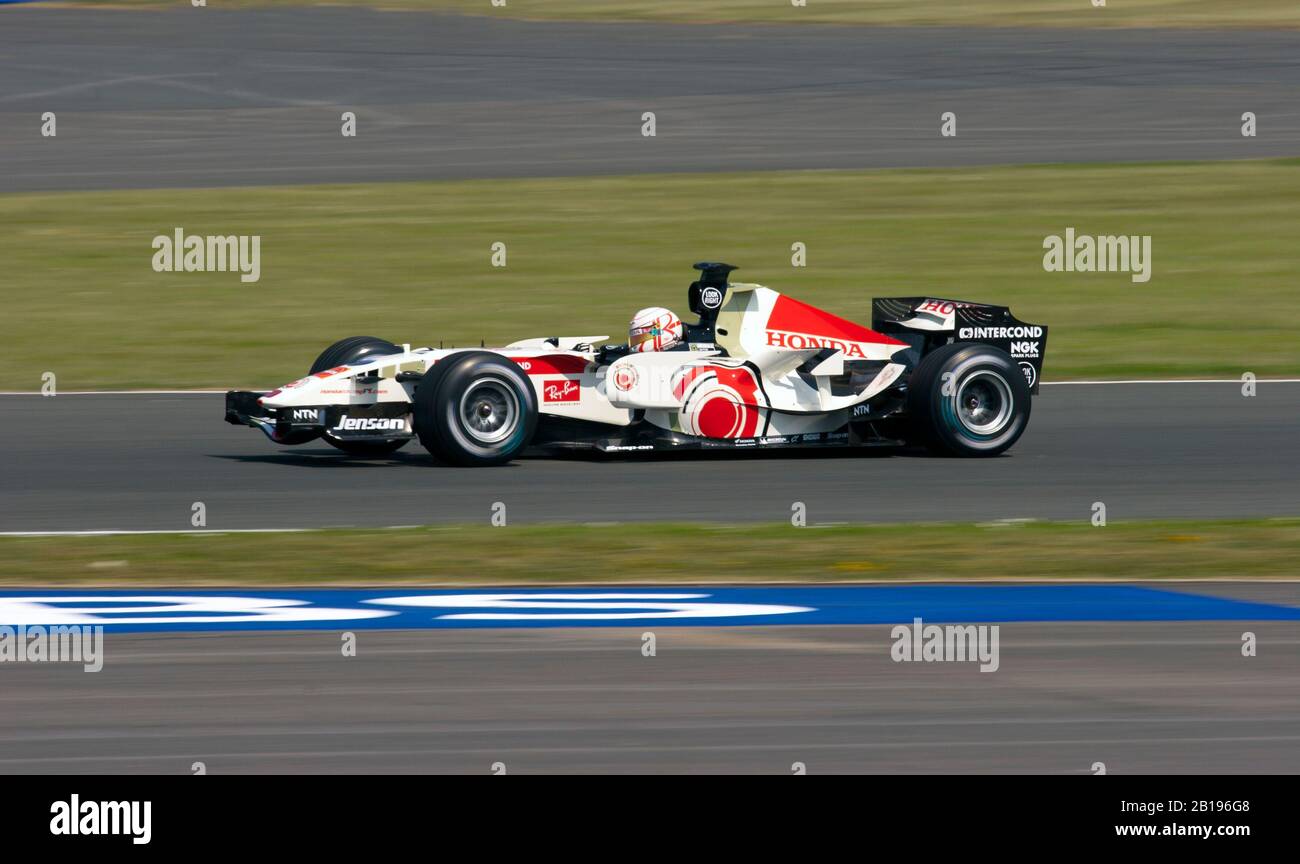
215,97
1149,451
1144,697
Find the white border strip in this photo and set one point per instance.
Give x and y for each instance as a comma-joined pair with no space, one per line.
1009,524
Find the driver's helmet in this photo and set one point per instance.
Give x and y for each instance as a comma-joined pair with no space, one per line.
654,329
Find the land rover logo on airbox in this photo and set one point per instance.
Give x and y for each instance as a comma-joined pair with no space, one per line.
711,298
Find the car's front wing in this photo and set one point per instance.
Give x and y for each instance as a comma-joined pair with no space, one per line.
378,421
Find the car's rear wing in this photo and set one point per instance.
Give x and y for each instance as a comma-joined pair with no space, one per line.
928,322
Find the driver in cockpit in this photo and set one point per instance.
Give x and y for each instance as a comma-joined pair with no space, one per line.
654,329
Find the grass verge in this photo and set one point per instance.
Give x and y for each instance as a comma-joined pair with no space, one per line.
663,553
411,262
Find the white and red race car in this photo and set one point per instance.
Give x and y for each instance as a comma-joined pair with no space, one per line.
758,370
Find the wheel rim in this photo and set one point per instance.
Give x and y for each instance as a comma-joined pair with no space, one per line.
489,411
984,403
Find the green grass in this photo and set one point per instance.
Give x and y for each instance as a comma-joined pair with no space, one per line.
410,262
996,13
652,553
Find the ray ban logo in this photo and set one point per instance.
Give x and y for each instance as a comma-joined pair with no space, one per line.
61,643
214,253
561,391
930,643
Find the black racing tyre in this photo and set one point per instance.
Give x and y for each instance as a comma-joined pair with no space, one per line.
476,408
345,352
350,350
968,399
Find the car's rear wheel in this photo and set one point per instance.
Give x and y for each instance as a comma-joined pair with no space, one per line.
475,408
968,399
346,352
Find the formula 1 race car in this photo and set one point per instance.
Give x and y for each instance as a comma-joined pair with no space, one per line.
759,370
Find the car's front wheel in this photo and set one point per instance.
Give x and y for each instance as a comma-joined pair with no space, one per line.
968,399
475,408
345,352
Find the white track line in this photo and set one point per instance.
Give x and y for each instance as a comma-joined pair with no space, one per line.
110,532
1045,384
